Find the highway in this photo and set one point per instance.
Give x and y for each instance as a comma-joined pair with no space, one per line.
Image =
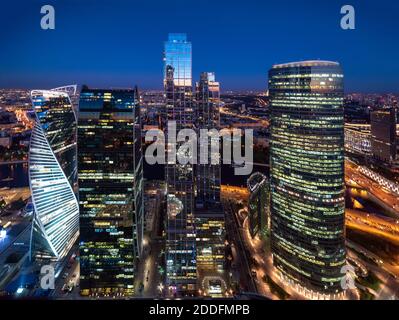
383,227
387,273
233,192
353,177
259,122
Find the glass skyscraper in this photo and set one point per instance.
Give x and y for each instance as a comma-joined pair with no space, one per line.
180,230
110,166
52,175
307,174
383,134
209,215
208,117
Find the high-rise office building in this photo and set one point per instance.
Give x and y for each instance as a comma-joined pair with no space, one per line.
180,229
208,118
73,93
209,215
307,174
52,175
383,132
258,205
110,166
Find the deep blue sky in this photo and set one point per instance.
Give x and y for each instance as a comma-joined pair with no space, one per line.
113,43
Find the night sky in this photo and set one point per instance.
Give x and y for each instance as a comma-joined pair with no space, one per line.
118,43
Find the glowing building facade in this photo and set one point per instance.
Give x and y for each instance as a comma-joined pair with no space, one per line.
383,132
209,215
208,118
180,230
358,138
307,174
110,165
52,175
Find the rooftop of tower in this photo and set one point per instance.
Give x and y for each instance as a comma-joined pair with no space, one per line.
177,37
306,63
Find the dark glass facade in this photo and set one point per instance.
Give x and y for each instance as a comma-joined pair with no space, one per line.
55,113
259,205
307,173
110,171
383,134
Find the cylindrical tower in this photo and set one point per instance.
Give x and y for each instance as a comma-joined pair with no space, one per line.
307,173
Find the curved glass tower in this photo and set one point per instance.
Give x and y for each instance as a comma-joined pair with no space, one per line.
307,174
52,175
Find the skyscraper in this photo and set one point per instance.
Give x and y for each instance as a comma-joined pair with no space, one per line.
208,118
307,173
110,166
180,232
209,215
52,175
383,133
73,93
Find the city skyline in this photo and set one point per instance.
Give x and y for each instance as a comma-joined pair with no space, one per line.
111,191
135,58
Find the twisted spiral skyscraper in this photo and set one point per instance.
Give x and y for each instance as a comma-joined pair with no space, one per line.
52,175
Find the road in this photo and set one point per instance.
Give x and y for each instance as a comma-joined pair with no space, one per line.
148,282
353,177
392,269
242,270
11,195
386,272
382,227
68,272
258,121
234,193
148,279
